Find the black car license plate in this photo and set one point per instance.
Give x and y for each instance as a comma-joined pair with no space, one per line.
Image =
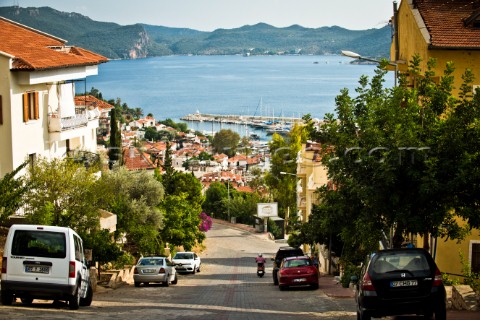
403,283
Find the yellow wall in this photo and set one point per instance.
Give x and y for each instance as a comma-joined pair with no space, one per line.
412,41
448,252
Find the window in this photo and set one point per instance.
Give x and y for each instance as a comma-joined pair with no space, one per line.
39,244
30,106
475,257
1,111
78,248
32,159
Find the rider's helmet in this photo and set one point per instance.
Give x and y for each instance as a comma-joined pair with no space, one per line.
259,254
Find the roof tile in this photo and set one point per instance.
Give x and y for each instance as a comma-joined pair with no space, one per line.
444,20
36,50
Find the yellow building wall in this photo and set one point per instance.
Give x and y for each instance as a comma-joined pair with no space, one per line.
448,252
412,41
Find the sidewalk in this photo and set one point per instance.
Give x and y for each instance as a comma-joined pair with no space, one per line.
242,227
332,288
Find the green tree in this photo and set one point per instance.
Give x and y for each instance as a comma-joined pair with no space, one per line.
115,145
226,141
391,156
213,199
63,194
12,191
181,222
283,160
135,198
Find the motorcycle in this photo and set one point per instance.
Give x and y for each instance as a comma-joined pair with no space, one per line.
260,269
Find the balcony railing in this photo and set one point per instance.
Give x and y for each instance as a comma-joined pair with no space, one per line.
80,119
88,159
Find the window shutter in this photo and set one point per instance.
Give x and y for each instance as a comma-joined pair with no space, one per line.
37,111
25,107
1,111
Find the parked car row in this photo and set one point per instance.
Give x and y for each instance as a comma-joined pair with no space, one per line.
156,269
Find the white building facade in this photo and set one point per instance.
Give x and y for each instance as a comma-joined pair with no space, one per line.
38,115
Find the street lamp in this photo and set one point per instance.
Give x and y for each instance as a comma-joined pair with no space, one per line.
355,55
287,173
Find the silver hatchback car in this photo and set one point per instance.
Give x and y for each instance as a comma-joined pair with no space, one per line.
154,269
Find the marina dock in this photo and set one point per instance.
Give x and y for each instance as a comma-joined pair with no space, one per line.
263,122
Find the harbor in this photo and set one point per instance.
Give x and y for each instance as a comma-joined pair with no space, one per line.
267,125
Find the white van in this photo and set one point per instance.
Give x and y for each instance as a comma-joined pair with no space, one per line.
45,262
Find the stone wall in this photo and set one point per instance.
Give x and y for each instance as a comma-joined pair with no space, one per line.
464,298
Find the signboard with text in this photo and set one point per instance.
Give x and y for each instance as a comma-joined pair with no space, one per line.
265,210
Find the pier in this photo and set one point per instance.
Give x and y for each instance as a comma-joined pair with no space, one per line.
254,121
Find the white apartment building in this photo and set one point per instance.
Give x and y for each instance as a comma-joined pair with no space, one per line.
38,115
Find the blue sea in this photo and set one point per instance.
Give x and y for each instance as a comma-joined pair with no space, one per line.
174,86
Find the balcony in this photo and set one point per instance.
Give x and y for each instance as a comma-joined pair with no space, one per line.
88,159
80,119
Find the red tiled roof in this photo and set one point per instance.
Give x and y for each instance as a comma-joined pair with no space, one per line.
92,101
135,160
444,20
36,50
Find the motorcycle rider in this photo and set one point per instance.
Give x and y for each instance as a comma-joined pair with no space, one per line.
260,260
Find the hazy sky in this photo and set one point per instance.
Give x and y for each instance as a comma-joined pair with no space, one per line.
208,15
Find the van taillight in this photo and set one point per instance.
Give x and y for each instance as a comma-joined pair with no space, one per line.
71,270
4,265
366,283
438,280
162,270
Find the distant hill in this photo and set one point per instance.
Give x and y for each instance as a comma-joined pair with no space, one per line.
141,40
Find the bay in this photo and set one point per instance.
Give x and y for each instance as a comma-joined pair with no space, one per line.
174,86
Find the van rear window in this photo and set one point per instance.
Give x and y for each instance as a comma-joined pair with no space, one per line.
39,244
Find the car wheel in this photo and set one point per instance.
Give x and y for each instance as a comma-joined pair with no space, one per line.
167,282
27,301
282,288
363,315
175,280
314,286
7,297
198,269
441,311
87,301
74,301
137,284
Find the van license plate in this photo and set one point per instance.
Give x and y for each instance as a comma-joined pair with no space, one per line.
36,269
403,283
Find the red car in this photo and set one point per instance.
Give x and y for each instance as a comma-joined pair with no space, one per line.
297,271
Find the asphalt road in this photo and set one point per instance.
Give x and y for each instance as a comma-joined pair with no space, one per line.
226,288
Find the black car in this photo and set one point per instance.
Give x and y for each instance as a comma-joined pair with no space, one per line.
398,282
282,253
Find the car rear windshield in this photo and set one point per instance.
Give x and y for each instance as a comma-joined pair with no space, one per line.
34,243
183,256
151,262
297,263
289,253
413,262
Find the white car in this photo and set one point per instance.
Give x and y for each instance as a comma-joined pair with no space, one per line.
187,262
46,263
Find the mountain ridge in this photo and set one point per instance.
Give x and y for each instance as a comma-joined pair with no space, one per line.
144,40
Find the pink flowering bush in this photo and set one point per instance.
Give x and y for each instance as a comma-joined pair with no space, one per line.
206,223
